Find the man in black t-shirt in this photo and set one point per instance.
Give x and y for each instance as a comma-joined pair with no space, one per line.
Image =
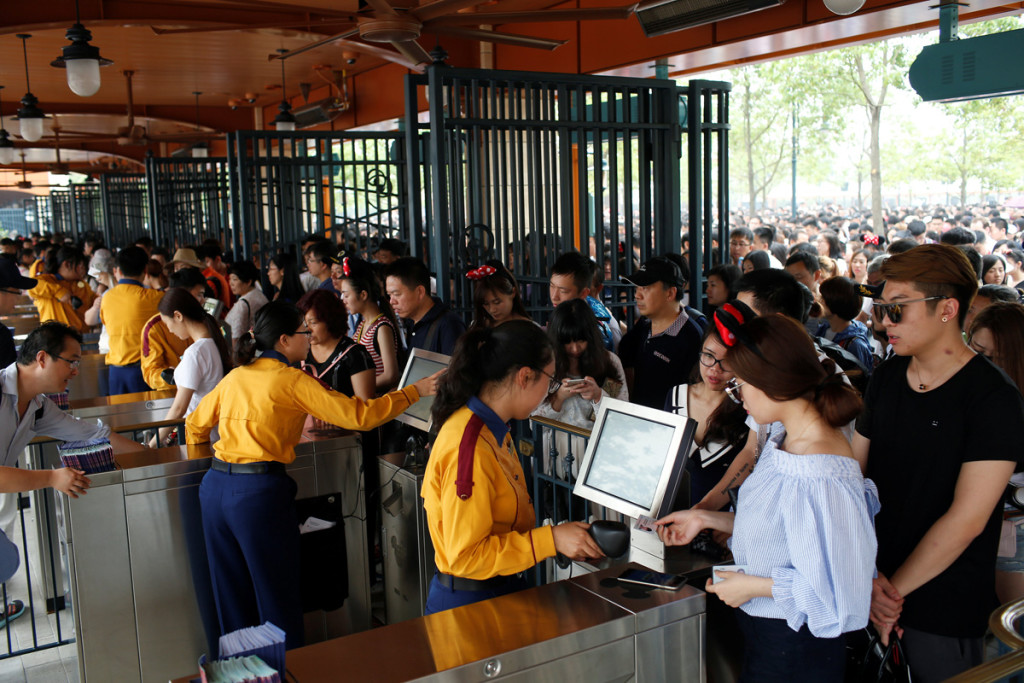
933,438
661,350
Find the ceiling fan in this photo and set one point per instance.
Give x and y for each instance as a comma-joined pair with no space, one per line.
383,22
132,134
25,183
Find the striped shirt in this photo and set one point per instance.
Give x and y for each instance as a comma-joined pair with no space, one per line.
367,336
806,521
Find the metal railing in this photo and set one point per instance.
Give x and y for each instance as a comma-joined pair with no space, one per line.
550,452
1003,624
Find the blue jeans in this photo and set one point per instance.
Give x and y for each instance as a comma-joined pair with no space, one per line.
252,545
776,653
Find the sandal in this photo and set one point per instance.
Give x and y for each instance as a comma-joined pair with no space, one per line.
15,609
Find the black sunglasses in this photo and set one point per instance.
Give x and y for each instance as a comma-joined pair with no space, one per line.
895,309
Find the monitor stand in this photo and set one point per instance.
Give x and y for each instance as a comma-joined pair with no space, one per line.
645,547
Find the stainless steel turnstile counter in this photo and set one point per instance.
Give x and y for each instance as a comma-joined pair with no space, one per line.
563,631
137,560
406,550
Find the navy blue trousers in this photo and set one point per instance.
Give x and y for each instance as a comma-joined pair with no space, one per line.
440,598
252,544
126,379
775,653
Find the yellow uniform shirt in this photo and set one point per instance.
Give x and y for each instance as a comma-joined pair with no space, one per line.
492,532
33,270
52,298
125,310
161,349
259,410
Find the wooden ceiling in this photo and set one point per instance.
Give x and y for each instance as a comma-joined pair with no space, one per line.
232,65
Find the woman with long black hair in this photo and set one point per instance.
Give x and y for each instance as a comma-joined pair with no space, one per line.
479,512
283,278
204,363
247,499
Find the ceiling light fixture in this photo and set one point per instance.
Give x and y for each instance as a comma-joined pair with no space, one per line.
6,146
285,121
81,60
30,116
200,150
843,7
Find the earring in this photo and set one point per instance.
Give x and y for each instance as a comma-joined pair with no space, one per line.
945,319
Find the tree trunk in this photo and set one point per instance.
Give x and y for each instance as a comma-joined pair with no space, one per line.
748,141
875,155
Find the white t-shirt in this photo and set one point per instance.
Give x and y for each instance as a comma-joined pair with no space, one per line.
200,370
242,315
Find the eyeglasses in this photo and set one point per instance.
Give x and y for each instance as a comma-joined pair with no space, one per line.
307,333
739,244
73,363
895,309
708,360
553,384
732,390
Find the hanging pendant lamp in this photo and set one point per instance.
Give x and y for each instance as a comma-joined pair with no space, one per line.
6,146
285,121
81,60
30,116
200,150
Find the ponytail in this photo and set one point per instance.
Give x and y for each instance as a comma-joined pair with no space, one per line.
488,356
273,320
217,334
834,398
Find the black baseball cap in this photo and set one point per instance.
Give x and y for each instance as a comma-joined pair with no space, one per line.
11,277
658,269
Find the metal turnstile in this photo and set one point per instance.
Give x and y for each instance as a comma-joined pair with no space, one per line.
138,568
406,549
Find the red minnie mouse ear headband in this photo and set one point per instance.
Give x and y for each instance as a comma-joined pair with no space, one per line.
481,272
869,238
729,321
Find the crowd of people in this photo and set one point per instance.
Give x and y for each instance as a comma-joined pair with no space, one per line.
852,390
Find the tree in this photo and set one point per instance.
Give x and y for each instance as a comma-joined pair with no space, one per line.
866,73
759,130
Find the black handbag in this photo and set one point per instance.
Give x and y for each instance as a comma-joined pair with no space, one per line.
885,664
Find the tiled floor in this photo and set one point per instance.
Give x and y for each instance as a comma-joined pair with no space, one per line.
52,665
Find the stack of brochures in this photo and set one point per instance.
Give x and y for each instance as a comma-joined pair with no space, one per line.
250,669
266,642
91,456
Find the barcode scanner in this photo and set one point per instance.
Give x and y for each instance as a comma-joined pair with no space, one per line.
611,537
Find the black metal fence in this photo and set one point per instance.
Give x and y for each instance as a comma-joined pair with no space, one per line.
190,200
349,186
125,207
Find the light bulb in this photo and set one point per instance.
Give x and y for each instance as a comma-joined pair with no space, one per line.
284,126
6,156
200,152
83,76
843,7
31,129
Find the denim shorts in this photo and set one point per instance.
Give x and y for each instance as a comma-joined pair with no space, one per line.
1015,563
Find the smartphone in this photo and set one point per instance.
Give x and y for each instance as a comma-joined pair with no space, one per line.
571,382
643,577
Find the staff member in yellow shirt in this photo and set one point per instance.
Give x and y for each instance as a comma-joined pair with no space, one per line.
479,512
125,310
247,500
61,292
161,350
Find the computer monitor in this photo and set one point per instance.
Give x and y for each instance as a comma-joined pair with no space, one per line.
635,458
421,364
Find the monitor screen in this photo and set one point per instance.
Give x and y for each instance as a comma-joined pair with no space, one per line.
630,457
635,458
421,364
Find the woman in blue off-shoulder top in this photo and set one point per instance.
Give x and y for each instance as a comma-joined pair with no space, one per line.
803,538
